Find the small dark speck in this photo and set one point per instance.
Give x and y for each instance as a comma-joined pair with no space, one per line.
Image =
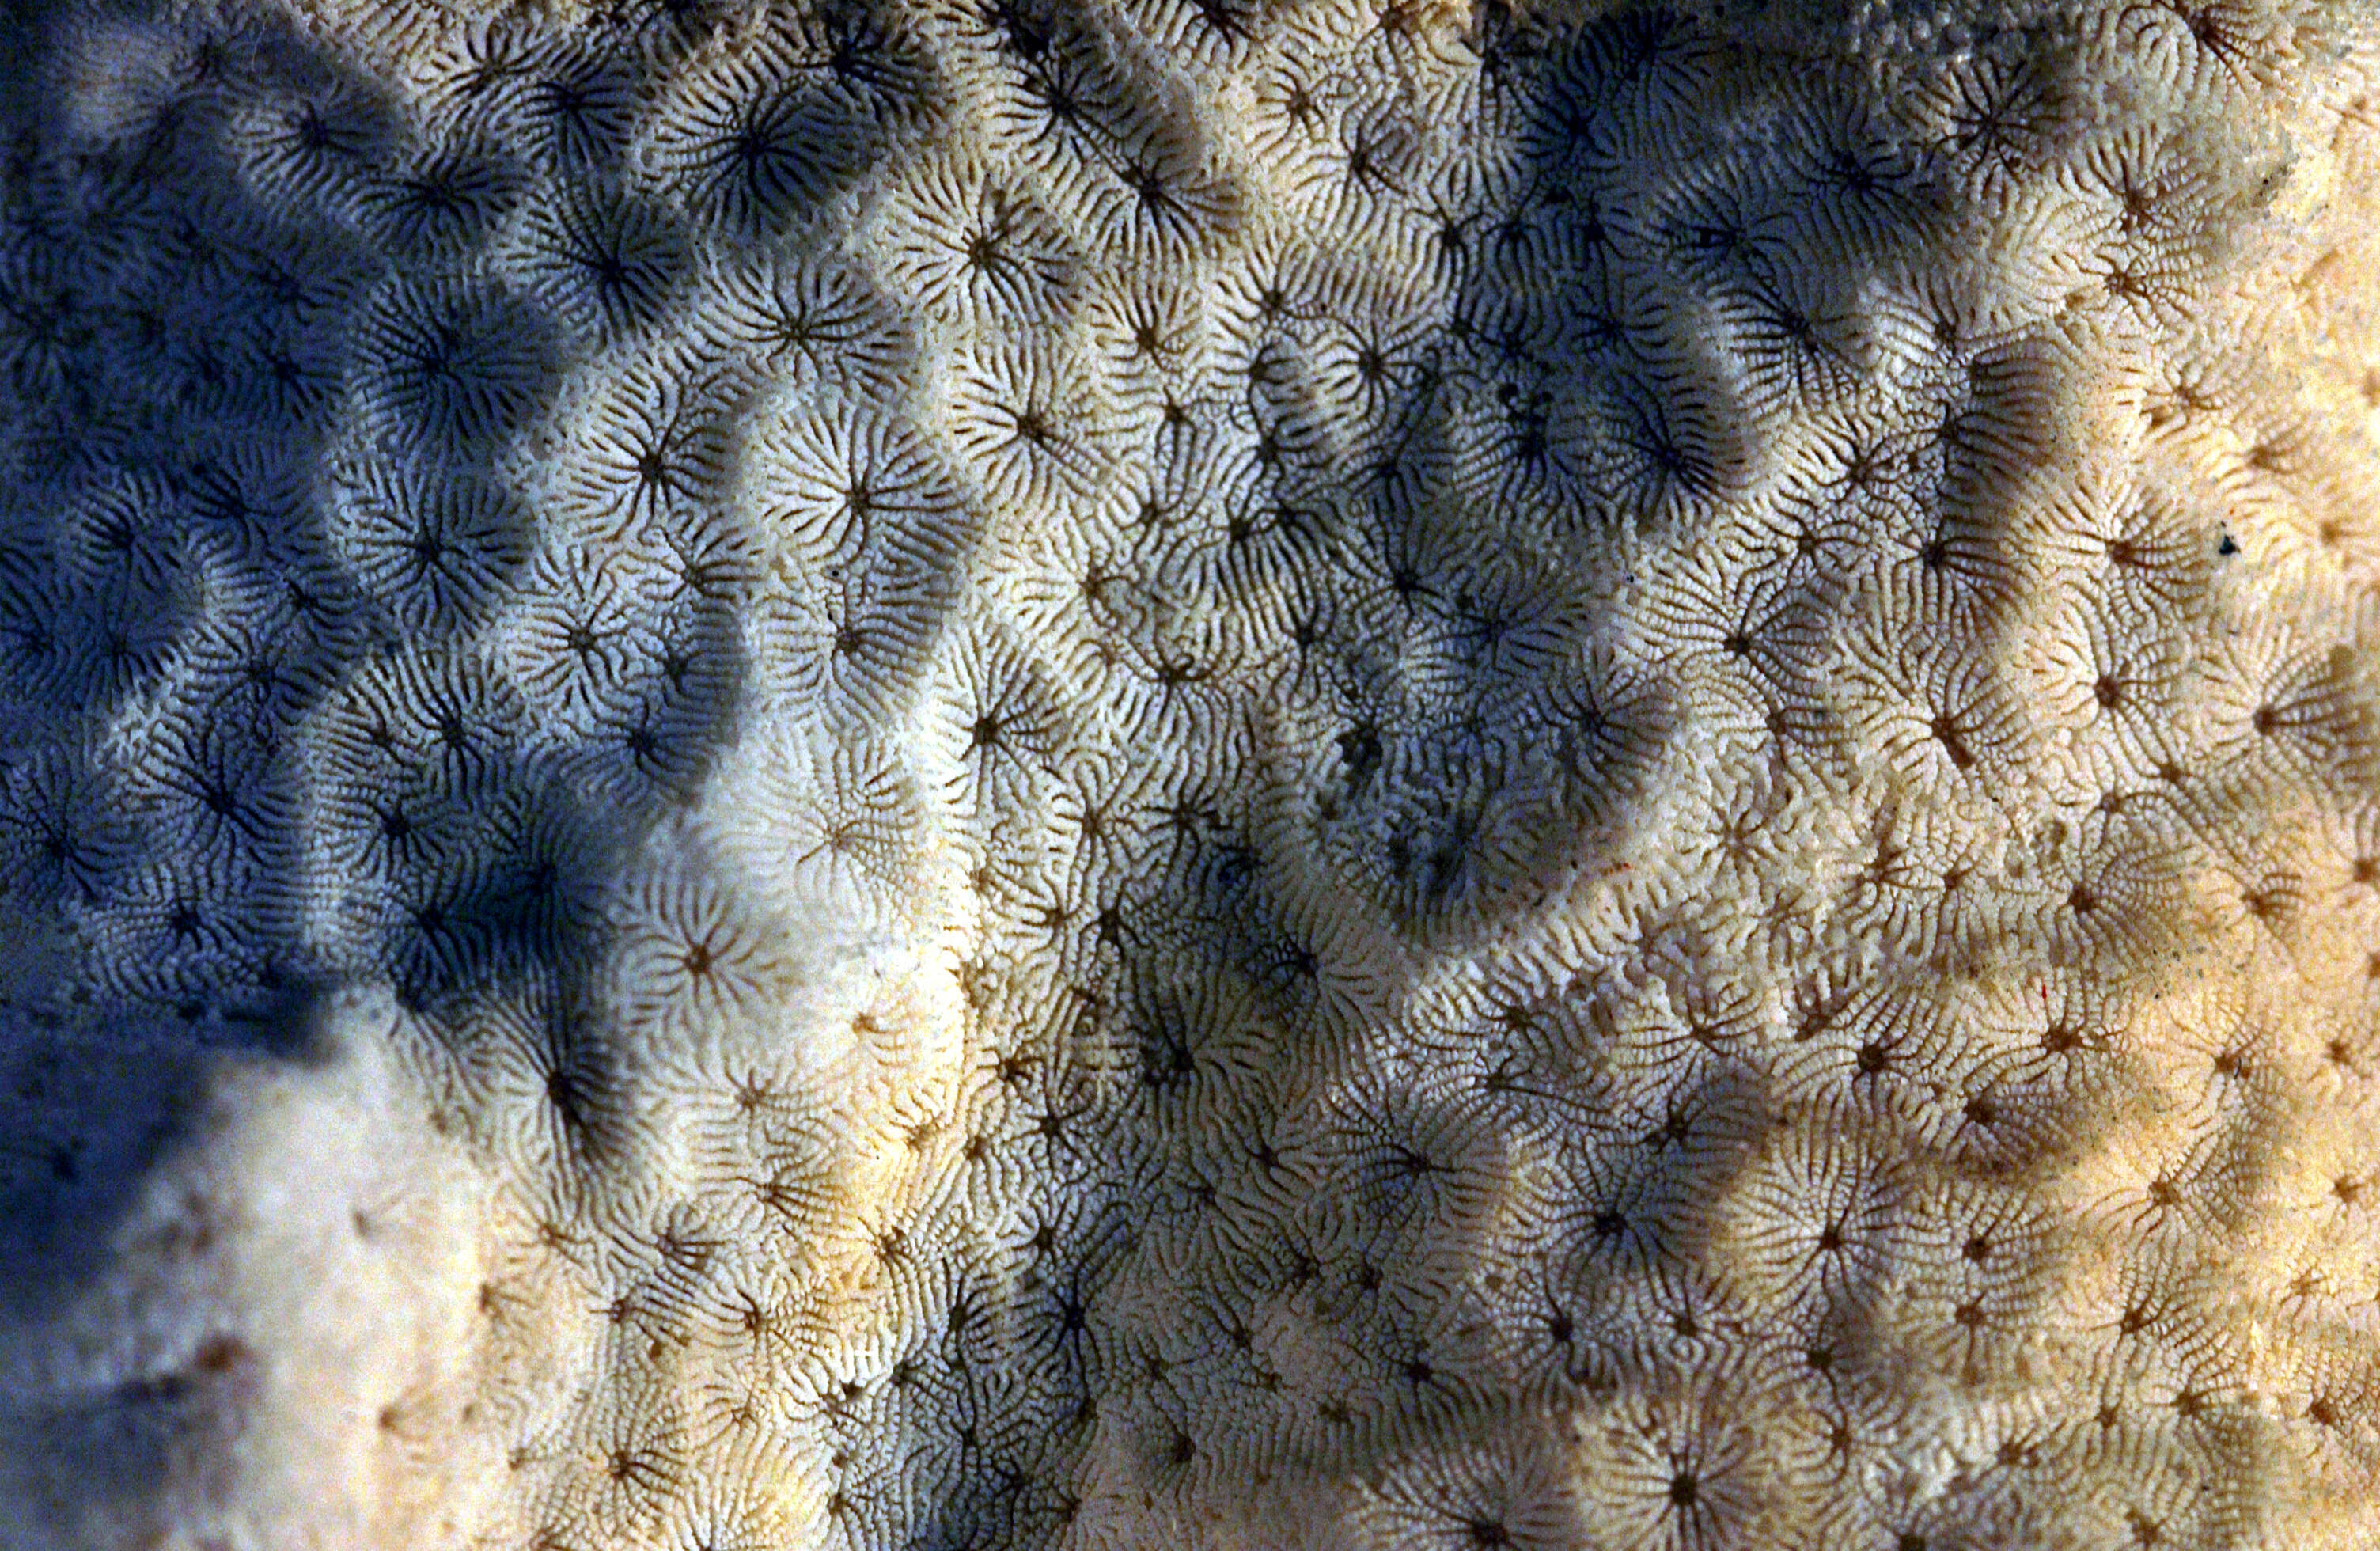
2229,546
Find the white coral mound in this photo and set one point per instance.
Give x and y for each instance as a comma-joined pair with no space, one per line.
907,773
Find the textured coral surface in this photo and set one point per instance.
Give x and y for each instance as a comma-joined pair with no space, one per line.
1189,773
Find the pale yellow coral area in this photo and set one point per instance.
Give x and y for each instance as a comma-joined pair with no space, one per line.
942,773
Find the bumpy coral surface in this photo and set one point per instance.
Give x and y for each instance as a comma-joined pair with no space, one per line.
1037,772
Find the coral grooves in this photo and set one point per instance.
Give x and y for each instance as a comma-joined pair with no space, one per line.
1189,773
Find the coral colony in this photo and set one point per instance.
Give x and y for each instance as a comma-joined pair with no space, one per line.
1189,773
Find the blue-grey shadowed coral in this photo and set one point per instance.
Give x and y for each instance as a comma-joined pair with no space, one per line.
1189,773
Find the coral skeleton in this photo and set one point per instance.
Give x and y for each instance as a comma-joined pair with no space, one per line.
1189,773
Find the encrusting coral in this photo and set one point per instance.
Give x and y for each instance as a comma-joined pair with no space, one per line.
1016,773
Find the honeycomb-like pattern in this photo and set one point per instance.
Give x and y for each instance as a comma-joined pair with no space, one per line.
925,774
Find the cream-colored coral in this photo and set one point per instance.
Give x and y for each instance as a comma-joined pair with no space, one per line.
927,774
